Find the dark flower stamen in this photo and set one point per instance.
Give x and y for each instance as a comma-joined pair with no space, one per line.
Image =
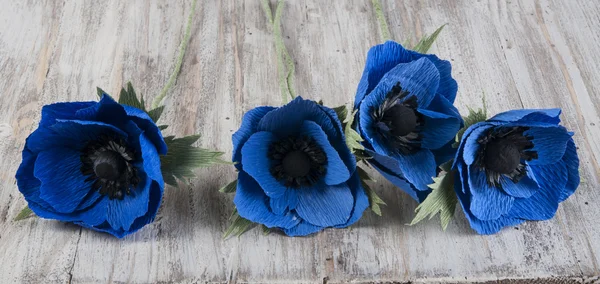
108,162
502,153
397,120
297,161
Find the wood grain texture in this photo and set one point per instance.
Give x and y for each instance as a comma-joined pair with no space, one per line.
531,54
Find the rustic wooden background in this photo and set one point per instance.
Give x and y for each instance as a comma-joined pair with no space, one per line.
520,54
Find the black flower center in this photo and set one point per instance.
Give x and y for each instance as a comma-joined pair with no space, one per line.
108,162
398,122
401,119
297,161
503,152
296,164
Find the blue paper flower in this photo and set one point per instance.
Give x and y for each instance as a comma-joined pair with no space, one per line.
518,165
295,171
95,164
405,115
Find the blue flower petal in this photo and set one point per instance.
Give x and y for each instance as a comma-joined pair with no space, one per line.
27,183
549,142
286,202
122,213
380,60
302,229
146,123
339,142
480,226
390,169
156,193
52,112
361,200
63,186
337,172
248,127
92,216
542,205
448,86
255,161
463,141
107,111
571,161
288,119
445,153
525,188
325,205
151,159
252,204
439,129
487,202
420,78
471,147
442,105
74,134
418,168
539,115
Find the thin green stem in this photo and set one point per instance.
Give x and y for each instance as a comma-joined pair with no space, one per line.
182,47
383,26
285,64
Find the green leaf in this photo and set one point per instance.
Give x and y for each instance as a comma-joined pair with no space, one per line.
426,42
156,113
162,127
473,118
24,214
238,226
374,200
266,230
128,97
353,139
230,187
100,92
341,112
442,199
182,158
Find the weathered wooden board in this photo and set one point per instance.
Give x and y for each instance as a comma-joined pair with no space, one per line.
518,53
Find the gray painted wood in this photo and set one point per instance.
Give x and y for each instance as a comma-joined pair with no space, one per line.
518,53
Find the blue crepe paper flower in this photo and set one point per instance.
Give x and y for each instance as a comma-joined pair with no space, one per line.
405,115
518,165
95,164
295,171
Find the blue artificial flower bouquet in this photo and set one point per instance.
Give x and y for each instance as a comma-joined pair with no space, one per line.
104,165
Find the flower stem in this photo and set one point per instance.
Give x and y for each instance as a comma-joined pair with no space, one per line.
385,31
285,64
186,38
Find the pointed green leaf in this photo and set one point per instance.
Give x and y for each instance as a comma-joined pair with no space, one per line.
442,199
341,112
128,97
230,187
353,139
24,214
100,92
426,42
182,158
374,200
266,230
156,113
238,226
473,118
162,127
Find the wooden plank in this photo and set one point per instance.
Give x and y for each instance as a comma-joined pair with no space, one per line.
518,53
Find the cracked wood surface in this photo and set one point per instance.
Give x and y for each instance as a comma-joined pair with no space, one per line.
528,54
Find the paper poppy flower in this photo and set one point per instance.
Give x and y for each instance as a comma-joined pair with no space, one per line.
405,115
295,171
95,164
518,165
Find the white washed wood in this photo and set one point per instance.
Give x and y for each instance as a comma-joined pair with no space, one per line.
519,53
